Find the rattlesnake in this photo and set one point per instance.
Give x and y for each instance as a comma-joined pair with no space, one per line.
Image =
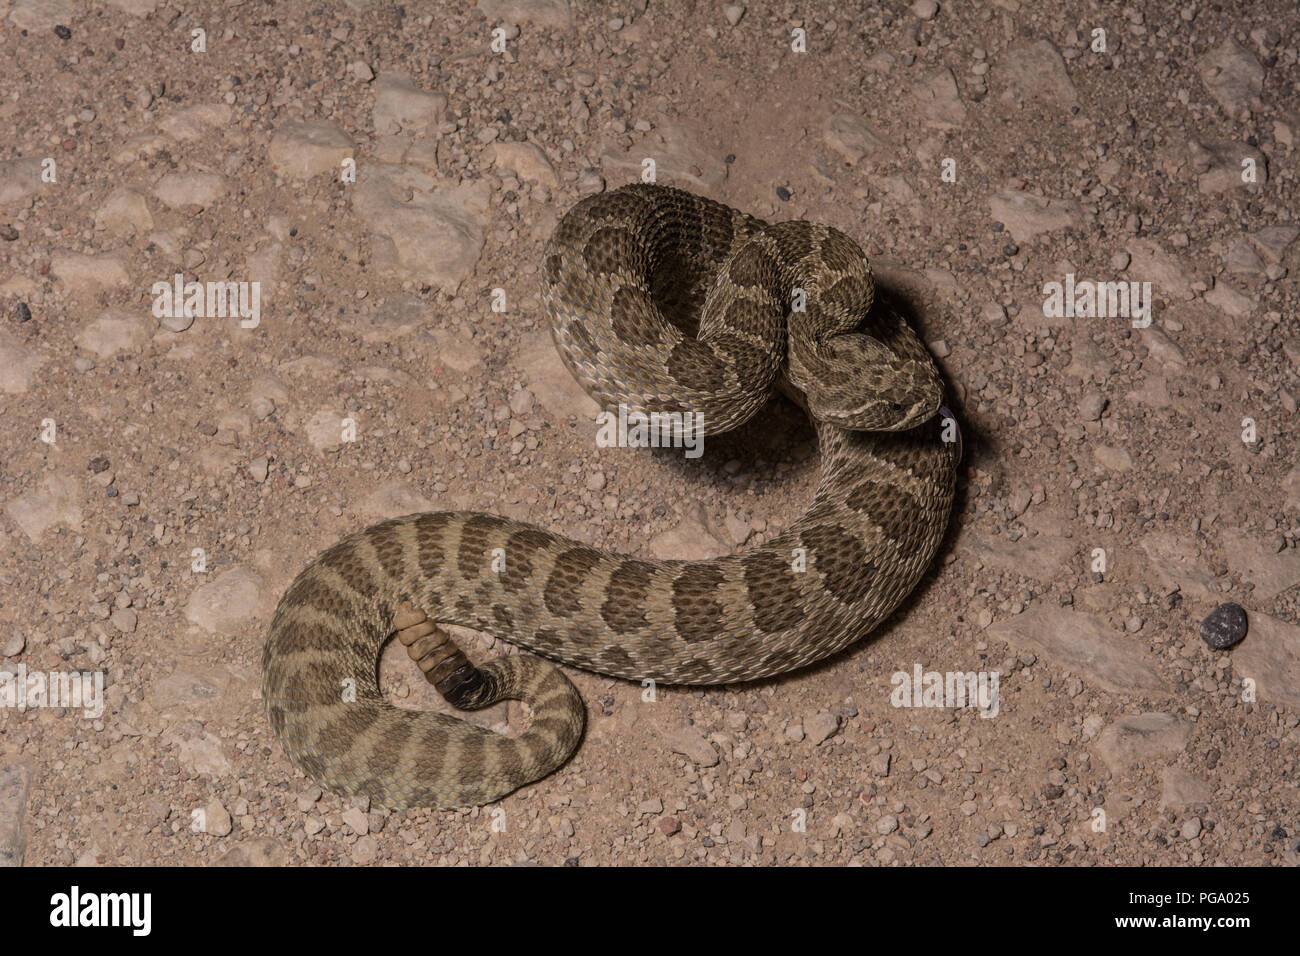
665,302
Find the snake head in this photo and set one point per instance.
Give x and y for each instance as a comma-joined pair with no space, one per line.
859,382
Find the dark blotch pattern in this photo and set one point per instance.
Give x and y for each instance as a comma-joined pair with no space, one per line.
700,614
840,253
620,205
616,658
469,762
624,609
752,266
773,590
297,638
344,560
429,530
633,318
841,560
388,547
851,295
716,237
547,639
342,732
521,555
567,578
475,539
612,249
797,239
382,760
900,515
754,366
695,366
315,593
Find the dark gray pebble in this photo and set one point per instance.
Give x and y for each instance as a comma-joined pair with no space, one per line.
1224,627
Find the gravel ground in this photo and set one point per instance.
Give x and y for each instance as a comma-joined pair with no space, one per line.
388,176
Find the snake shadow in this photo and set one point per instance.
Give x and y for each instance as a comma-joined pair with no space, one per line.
775,436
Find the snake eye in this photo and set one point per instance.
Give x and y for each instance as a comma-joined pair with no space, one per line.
896,406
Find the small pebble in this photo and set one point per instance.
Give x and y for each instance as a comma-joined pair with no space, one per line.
1091,407
14,646
1225,626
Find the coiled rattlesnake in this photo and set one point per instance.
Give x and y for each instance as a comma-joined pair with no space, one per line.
664,302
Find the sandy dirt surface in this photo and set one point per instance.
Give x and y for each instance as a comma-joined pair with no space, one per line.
387,176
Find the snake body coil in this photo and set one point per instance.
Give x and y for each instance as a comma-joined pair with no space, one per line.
663,302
